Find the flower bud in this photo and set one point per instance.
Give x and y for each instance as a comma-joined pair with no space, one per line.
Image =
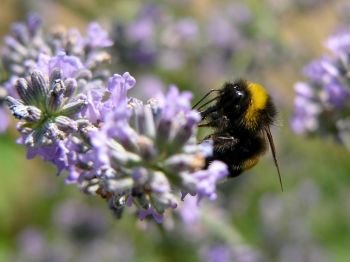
73,107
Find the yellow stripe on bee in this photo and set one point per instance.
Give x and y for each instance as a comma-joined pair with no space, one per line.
258,102
249,163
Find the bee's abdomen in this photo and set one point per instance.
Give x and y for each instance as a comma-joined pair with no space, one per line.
239,154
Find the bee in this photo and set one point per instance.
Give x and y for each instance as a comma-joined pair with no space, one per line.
240,115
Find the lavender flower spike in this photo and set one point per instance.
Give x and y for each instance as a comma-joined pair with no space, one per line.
322,102
45,110
21,48
148,152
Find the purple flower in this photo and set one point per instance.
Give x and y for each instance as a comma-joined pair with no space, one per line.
97,37
187,28
50,114
304,90
180,32
240,13
306,110
75,115
173,102
69,65
4,120
189,211
322,71
217,253
322,103
145,151
84,223
222,252
148,85
57,154
31,243
34,23
203,182
141,30
119,85
339,43
21,49
336,94
221,32
150,211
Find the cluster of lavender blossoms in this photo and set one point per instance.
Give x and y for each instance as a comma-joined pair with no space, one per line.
29,47
79,117
322,104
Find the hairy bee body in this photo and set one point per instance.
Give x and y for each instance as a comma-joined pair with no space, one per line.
240,117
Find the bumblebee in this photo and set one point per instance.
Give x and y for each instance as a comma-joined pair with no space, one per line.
240,115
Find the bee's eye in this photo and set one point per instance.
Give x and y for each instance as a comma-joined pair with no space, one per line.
238,95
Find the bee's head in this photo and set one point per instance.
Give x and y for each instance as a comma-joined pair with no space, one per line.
247,105
234,99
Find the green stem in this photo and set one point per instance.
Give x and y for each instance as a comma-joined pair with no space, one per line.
221,229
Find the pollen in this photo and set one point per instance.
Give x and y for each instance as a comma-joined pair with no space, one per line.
257,103
249,163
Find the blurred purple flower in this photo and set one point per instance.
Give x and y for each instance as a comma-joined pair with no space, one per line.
281,221
217,253
149,85
189,211
140,30
315,71
151,211
97,37
187,28
29,49
306,110
84,223
34,23
339,43
32,243
21,49
336,94
69,65
322,103
216,27
240,13
4,120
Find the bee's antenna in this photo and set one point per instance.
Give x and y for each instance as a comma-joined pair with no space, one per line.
204,97
206,103
273,150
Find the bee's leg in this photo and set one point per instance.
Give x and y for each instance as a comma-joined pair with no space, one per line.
208,111
224,144
226,138
225,147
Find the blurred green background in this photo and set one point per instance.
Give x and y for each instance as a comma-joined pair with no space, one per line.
309,221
